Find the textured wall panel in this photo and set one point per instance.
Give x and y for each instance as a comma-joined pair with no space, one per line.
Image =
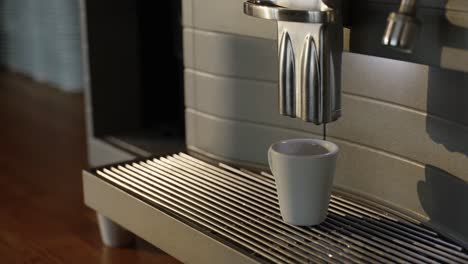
439,41
227,16
439,92
407,133
231,55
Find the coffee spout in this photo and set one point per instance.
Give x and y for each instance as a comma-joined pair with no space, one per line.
402,27
310,43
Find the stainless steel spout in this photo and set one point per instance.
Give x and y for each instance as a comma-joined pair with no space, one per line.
310,44
402,27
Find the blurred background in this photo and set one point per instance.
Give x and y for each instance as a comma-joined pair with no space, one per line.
43,141
41,39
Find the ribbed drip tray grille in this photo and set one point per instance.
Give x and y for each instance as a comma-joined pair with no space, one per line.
240,208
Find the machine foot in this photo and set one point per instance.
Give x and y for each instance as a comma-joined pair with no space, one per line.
112,234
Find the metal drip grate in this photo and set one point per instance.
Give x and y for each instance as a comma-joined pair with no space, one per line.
240,208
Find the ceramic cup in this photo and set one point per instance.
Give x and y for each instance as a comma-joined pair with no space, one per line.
304,170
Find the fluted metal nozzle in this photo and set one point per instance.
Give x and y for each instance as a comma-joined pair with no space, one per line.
310,44
402,27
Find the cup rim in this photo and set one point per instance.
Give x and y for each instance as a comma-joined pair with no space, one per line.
324,143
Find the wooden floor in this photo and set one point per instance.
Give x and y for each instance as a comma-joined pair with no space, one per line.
42,151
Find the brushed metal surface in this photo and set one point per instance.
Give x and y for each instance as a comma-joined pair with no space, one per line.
155,226
324,94
312,95
401,32
239,207
287,76
270,11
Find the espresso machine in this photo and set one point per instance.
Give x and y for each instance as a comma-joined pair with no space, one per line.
385,80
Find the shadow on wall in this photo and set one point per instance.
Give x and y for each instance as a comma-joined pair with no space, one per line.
447,102
443,198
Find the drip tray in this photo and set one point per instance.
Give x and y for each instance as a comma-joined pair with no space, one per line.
204,213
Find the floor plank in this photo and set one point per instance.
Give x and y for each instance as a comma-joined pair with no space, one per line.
42,152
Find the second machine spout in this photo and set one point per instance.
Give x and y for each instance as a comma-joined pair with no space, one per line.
402,27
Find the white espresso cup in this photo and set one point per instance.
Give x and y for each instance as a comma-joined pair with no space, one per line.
304,170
